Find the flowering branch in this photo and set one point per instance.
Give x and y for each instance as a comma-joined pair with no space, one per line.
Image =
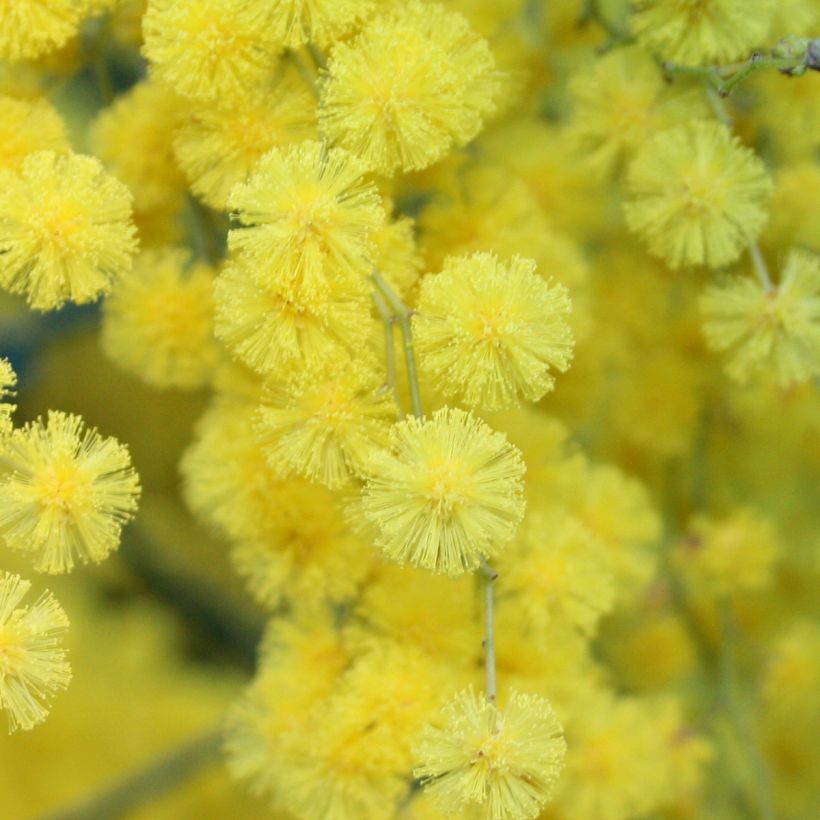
792,56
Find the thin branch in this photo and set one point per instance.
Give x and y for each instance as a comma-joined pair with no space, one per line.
388,320
760,266
149,783
403,315
490,576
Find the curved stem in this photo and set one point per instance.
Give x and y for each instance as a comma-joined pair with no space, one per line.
149,783
760,266
388,320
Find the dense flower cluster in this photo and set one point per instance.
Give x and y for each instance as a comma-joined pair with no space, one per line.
484,336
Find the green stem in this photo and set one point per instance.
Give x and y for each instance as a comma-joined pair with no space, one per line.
388,320
490,577
737,714
725,79
403,315
145,785
760,266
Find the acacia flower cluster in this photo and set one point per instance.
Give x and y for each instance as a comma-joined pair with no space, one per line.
447,293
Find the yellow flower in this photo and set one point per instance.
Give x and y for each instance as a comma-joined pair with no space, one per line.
30,28
325,425
277,331
158,320
65,230
620,101
414,83
723,556
489,331
33,664
309,557
306,217
556,571
702,31
296,22
212,50
147,115
301,660
218,144
696,195
767,330
8,379
446,493
506,761
27,126
65,492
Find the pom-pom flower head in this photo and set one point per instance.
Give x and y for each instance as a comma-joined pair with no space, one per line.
158,321
65,492
697,195
446,493
27,126
275,331
65,230
33,665
504,761
8,379
297,22
415,82
704,30
307,216
325,428
210,50
490,332
30,28
218,145
768,330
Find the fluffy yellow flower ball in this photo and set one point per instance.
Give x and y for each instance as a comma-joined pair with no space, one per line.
447,492
696,195
65,229
33,664
505,761
415,82
65,492
489,332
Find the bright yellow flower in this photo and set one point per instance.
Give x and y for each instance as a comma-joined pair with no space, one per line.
27,126
620,101
504,761
768,330
489,332
218,144
306,215
414,83
326,425
446,493
33,664
556,571
65,492
702,31
147,115
158,320
696,195
65,230
322,22
276,331
31,28
207,51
